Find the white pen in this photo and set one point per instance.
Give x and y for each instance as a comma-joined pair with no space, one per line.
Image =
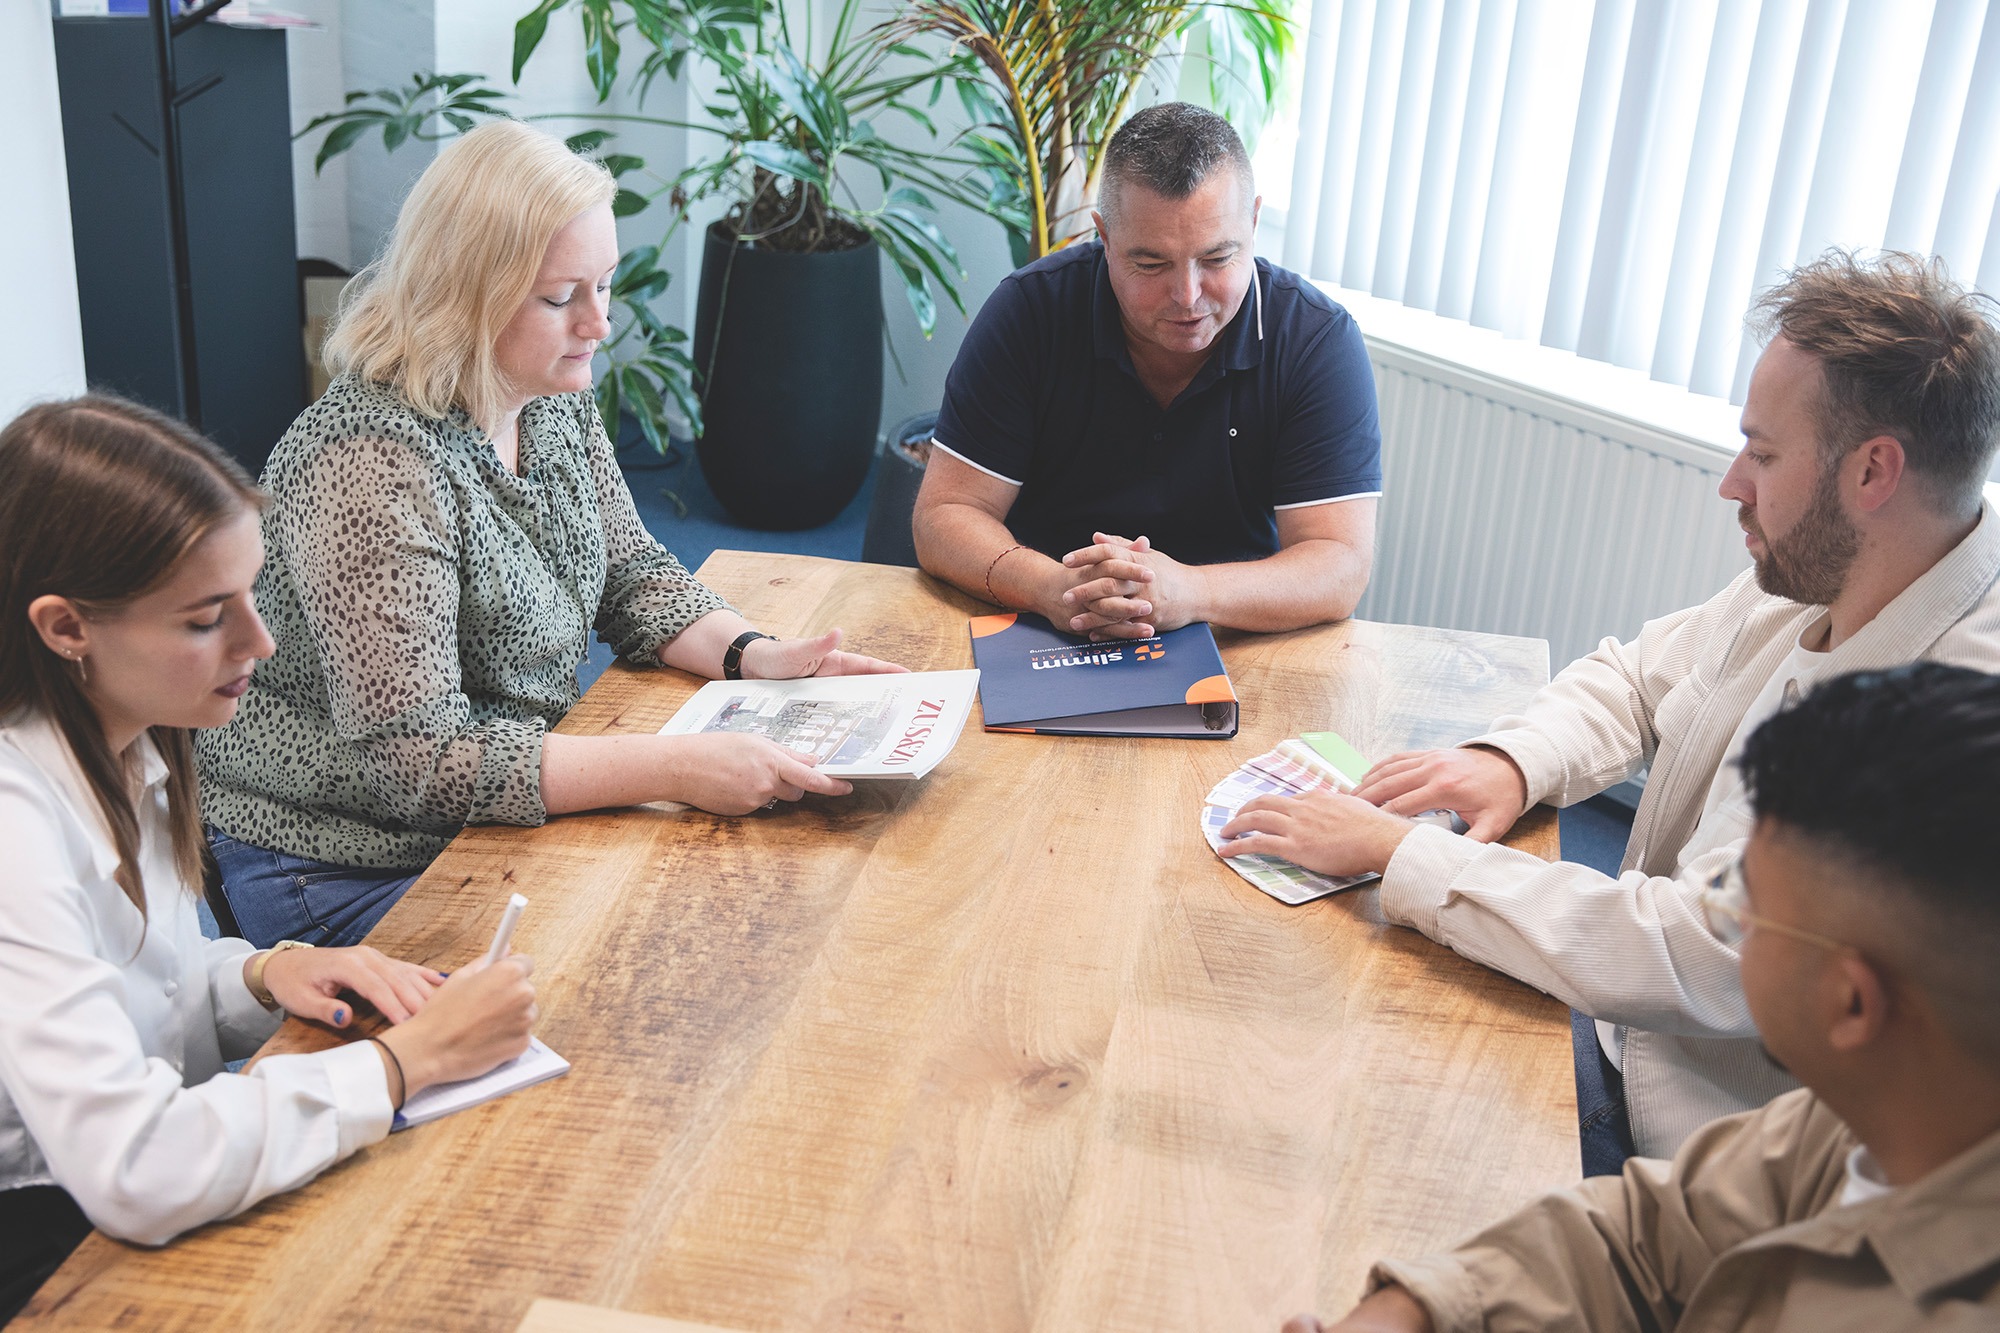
503,936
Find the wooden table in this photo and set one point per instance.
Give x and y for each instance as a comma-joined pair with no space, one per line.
1007,1048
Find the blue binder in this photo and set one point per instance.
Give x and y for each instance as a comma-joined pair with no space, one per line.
1033,678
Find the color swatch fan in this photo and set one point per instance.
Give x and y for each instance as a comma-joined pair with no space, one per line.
1295,767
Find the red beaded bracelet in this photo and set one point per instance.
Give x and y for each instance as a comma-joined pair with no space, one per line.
1018,546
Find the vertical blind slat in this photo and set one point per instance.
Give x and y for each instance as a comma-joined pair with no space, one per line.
1975,166
1406,147
1632,324
1699,224
1309,157
1767,92
1867,117
1798,149
1378,125
1443,140
1538,120
1349,103
1589,160
1459,265
1934,122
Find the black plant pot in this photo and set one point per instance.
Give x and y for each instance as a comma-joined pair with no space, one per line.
788,358
899,475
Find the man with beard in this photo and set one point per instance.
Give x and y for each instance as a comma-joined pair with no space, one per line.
1865,911
1869,429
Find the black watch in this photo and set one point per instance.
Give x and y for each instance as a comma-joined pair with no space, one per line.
732,656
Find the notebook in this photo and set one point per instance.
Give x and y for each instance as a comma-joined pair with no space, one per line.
537,1064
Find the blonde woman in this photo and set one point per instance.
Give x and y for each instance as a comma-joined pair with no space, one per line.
128,546
447,526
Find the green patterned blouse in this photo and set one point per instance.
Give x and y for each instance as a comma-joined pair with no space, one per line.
430,610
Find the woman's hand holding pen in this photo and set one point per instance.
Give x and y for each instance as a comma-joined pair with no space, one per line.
480,1017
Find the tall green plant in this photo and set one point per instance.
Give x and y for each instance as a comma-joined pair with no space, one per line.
1063,76
789,128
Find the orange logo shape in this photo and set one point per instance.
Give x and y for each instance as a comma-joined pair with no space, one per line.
1146,652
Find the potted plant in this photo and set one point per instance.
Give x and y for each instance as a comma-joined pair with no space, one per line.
783,381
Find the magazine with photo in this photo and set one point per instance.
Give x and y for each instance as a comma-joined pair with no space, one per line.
887,726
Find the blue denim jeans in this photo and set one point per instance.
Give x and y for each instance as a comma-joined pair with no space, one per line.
277,896
1602,1126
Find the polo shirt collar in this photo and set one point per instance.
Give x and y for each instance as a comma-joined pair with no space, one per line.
1107,325
1241,348
1928,1235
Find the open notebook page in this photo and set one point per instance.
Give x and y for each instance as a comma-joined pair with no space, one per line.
537,1064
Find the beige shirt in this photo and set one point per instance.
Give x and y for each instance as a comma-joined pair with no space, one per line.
1748,1229
1635,950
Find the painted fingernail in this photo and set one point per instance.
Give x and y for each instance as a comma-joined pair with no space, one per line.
340,1018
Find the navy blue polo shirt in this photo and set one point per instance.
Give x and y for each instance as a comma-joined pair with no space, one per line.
1043,395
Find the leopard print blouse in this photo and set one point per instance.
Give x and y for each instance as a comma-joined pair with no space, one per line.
430,610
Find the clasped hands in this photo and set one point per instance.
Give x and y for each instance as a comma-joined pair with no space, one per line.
1121,588
1340,835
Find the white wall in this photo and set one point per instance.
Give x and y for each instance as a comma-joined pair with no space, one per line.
318,83
41,341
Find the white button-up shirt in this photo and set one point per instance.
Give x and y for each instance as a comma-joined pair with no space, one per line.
114,1031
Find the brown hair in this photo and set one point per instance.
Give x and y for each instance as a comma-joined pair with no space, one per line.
103,499
1904,352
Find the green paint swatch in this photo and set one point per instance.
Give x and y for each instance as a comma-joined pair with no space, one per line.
1329,746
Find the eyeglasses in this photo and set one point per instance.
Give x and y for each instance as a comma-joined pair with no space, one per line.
1725,904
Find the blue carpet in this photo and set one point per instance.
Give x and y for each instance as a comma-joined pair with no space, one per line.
707,527
1594,833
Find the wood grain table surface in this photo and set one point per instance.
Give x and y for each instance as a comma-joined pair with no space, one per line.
1005,1048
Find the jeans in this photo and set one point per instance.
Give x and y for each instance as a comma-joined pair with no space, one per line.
277,896
1602,1126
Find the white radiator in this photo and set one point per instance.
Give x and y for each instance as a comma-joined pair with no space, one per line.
1514,511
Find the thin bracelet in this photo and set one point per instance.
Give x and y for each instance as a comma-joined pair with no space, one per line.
990,596
402,1079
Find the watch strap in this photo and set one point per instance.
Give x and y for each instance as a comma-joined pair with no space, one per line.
732,656
255,977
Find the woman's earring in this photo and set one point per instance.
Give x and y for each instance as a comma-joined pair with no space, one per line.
82,667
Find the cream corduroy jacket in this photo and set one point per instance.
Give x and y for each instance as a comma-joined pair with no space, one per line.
1635,950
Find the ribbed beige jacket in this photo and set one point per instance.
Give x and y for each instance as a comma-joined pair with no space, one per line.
1744,1232
1634,950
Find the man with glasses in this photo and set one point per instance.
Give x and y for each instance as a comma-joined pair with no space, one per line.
1866,910
1869,430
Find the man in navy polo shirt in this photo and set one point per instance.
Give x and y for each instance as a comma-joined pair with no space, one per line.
1157,427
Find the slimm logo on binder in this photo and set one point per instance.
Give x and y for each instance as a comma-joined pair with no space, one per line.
1034,679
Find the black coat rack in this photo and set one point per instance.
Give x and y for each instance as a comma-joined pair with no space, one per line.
166,27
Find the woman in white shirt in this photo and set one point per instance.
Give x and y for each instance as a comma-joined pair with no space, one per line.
128,547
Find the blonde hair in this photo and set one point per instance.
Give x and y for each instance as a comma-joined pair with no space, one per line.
425,316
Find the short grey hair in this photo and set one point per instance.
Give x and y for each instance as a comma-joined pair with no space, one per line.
1171,149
